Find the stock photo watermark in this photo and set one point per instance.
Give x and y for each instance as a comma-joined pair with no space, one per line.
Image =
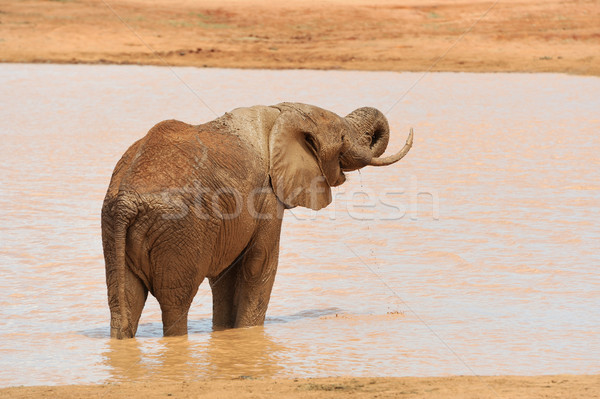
227,203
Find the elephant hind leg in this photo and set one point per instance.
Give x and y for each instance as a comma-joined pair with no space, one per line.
177,274
135,298
174,319
175,304
223,292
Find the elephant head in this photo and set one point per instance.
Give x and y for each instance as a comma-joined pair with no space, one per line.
311,148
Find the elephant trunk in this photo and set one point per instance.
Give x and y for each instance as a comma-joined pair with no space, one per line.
367,138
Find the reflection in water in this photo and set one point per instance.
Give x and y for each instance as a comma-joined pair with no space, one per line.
226,354
242,352
507,276
125,361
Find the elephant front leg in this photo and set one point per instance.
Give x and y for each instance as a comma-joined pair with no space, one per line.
255,281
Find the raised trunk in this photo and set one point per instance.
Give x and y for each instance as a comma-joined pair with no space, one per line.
367,137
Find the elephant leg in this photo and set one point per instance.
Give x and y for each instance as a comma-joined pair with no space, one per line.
177,274
136,294
174,319
175,304
175,300
223,292
256,276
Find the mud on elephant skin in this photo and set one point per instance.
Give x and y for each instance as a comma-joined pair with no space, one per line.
189,202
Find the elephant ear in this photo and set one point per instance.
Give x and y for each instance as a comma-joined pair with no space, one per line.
296,161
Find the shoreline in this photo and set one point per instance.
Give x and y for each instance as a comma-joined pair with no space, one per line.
529,36
549,386
295,68
487,70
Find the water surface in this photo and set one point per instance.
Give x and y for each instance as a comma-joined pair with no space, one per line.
476,254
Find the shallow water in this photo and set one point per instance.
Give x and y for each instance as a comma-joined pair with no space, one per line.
476,254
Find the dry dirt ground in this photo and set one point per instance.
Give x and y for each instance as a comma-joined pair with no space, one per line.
402,35
559,387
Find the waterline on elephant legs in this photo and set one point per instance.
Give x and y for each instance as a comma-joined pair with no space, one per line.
174,321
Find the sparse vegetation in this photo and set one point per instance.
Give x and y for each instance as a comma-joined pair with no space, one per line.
324,387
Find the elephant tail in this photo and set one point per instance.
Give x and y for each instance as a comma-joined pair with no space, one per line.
126,211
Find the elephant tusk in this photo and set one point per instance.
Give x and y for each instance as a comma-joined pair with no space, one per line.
396,157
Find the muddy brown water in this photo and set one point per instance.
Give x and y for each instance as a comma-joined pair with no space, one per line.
477,254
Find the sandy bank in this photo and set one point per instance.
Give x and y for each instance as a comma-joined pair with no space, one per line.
524,36
559,386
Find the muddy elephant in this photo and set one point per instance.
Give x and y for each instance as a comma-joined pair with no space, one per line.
189,202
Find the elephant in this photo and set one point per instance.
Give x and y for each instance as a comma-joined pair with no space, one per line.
189,202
